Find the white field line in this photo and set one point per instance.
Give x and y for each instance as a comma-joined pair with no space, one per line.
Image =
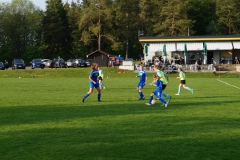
228,84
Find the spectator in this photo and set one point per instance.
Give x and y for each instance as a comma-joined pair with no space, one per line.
236,60
222,60
6,64
196,65
59,61
199,64
180,60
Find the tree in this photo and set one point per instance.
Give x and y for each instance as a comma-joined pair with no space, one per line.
74,11
150,13
95,23
228,14
173,20
57,38
203,12
126,26
20,21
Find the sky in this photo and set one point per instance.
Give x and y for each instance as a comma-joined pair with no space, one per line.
39,3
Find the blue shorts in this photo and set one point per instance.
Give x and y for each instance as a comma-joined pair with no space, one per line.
92,85
157,93
141,84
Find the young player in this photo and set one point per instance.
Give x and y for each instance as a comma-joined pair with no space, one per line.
182,82
100,78
158,92
164,79
143,80
93,77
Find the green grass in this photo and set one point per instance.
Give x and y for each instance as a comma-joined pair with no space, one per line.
44,118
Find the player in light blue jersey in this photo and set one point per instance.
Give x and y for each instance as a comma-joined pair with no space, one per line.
158,92
100,78
93,83
143,80
182,78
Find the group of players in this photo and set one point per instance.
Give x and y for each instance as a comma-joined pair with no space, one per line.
160,80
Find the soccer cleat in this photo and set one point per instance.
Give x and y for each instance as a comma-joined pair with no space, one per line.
177,94
82,100
99,101
166,104
169,98
192,91
148,104
143,98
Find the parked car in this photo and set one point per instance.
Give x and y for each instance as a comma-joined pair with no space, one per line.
2,67
55,64
37,63
48,63
18,64
88,61
79,63
44,61
70,62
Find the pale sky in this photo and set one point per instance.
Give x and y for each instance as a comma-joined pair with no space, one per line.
39,3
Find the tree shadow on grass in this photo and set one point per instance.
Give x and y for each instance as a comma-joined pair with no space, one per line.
107,132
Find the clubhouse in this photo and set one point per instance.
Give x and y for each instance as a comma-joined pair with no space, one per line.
218,49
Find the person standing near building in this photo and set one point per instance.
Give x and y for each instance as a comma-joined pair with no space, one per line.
6,66
143,80
93,83
236,60
182,82
59,61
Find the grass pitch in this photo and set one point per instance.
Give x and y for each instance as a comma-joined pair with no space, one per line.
44,118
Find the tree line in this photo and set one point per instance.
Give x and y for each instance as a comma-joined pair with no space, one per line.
74,29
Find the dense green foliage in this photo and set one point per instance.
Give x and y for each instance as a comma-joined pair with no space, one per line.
74,29
44,118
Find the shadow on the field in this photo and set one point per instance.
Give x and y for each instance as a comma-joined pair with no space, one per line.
105,131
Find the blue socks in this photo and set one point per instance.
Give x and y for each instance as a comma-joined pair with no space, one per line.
162,100
85,96
141,94
99,97
150,100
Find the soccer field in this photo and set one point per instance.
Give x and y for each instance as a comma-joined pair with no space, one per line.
44,118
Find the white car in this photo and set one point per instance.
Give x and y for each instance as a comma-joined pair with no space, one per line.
70,62
44,61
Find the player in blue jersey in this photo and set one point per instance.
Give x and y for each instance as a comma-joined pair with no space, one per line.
164,79
143,80
94,83
158,92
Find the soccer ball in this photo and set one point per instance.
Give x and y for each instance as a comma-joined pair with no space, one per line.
153,101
